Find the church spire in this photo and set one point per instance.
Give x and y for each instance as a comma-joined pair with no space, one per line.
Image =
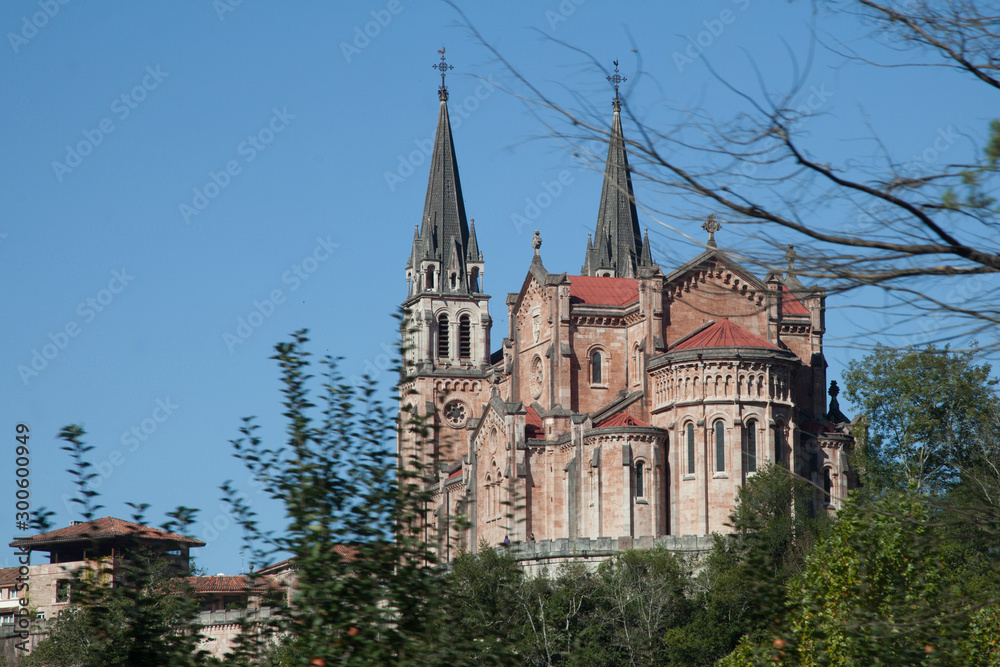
445,232
617,249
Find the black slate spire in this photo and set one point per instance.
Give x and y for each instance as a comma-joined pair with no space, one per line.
618,247
445,231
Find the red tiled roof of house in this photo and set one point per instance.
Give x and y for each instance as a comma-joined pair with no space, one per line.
597,291
533,425
790,304
457,473
8,576
233,583
724,334
620,419
105,528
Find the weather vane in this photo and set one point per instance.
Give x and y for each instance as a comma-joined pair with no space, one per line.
616,79
443,67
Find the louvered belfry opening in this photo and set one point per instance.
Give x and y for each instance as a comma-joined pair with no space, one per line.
464,338
444,344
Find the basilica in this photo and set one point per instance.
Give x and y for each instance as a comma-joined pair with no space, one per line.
627,403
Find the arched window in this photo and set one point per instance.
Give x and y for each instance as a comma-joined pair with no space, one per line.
827,485
720,446
639,472
690,438
464,338
751,446
444,345
430,278
636,364
596,372
474,279
779,444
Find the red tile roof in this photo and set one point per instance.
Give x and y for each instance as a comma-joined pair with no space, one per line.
620,419
596,291
236,583
724,334
533,425
8,576
790,304
105,528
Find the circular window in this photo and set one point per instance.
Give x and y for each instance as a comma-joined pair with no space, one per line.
455,413
535,376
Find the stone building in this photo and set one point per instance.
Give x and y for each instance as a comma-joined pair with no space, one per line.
626,404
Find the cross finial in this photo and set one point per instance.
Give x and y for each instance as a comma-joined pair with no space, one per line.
616,79
790,256
711,226
443,67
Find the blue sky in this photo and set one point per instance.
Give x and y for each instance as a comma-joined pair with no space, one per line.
170,169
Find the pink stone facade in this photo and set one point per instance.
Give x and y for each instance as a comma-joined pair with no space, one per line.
704,418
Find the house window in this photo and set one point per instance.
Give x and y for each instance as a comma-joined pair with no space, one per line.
464,338
596,374
751,446
443,333
62,590
720,446
690,438
640,471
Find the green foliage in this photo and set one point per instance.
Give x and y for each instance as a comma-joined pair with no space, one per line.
927,414
134,611
368,590
883,589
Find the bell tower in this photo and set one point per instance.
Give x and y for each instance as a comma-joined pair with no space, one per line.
448,320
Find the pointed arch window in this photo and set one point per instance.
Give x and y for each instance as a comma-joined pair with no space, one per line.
464,338
827,485
720,446
444,343
596,371
640,471
690,448
752,446
474,279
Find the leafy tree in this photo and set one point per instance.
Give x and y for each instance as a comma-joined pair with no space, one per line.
367,589
742,590
137,611
929,421
883,590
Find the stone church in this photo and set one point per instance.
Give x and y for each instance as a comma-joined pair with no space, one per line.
627,404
